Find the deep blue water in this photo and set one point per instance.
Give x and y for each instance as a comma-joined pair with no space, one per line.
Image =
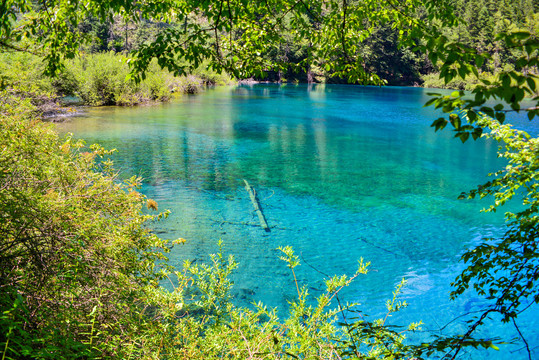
342,173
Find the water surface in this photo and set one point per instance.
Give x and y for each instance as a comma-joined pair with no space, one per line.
342,173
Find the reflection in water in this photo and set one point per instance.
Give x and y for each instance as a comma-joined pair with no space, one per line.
342,173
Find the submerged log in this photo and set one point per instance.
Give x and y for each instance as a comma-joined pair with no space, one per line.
256,205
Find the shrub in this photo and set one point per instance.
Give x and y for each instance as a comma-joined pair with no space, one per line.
75,255
99,79
187,84
433,81
23,72
210,77
103,79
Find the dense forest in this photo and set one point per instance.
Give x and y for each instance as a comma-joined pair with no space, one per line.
382,53
79,266
481,22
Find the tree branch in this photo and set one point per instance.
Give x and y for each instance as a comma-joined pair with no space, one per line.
16,48
217,49
523,339
343,29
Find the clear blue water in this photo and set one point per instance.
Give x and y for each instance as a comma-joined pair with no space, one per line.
342,173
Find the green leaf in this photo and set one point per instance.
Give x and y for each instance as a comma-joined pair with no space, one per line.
439,123
476,134
430,102
455,121
472,116
479,60
464,136
521,35
487,110
463,71
474,70
531,83
506,81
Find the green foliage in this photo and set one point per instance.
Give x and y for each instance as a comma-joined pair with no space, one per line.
355,41
237,36
509,86
74,252
433,80
385,57
99,79
515,254
211,77
503,269
102,79
492,45
23,72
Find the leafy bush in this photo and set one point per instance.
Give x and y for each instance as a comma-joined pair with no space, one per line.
211,77
198,80
75,256
187,84
23,71
99,79
103,79
433,80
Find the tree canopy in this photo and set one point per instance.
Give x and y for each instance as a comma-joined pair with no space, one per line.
234,35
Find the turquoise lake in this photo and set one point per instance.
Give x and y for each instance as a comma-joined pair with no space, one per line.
341,172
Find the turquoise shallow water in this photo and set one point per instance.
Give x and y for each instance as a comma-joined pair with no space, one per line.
342,173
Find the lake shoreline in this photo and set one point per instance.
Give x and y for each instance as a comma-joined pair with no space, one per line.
54,111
